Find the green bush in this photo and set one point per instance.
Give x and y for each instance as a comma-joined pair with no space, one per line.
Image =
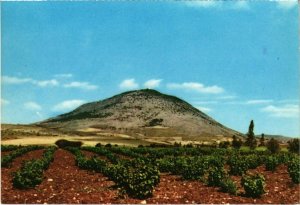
62,143
195,168
9,147
238,165
166,164
215,176
30,175
236,143
139,179
224,144
136,178
228,186
273,145
271,163
253,161
31,172
7,159
254,185
294,145
294,170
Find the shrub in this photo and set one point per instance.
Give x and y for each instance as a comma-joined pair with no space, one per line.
215,176
62,143
254,185
236,143
98,145
293,145
137,178
7,159
224,145
271,163
253,161
215,161
195,168
238,165
108,145
228,186
155,122
9,147
31,172
166,165
30,175
294,170
262,140
273,145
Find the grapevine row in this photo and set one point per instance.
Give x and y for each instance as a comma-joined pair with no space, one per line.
31,172
135,178
7,159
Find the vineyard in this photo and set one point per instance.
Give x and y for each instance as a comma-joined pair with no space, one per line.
113,174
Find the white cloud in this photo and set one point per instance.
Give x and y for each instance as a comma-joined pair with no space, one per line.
198,87
286,4
129,84
46,83
241,5
64,75
153,83
67,105
227,97
285,111
203,109
237,5
255,102
81,85
39,114
32,106
202,4
15,80
206,102
289,101
4,102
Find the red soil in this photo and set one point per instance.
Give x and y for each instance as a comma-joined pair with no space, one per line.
89,154
65,183
3,153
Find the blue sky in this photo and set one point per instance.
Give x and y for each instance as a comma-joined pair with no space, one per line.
235,61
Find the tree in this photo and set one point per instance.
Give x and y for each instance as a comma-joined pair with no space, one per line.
273,145
293,145
251,141
224,144
236,143
262,140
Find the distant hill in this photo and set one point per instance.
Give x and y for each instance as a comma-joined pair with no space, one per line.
277,137
142,113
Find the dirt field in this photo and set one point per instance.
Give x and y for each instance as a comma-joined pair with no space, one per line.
65,183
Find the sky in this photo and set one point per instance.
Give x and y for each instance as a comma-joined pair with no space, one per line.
236,61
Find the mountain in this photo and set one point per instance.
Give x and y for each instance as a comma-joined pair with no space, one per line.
142,113
280,138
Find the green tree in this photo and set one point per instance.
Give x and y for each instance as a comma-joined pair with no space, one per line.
251,141
273,145
262,140
224,144
236,143
293,145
